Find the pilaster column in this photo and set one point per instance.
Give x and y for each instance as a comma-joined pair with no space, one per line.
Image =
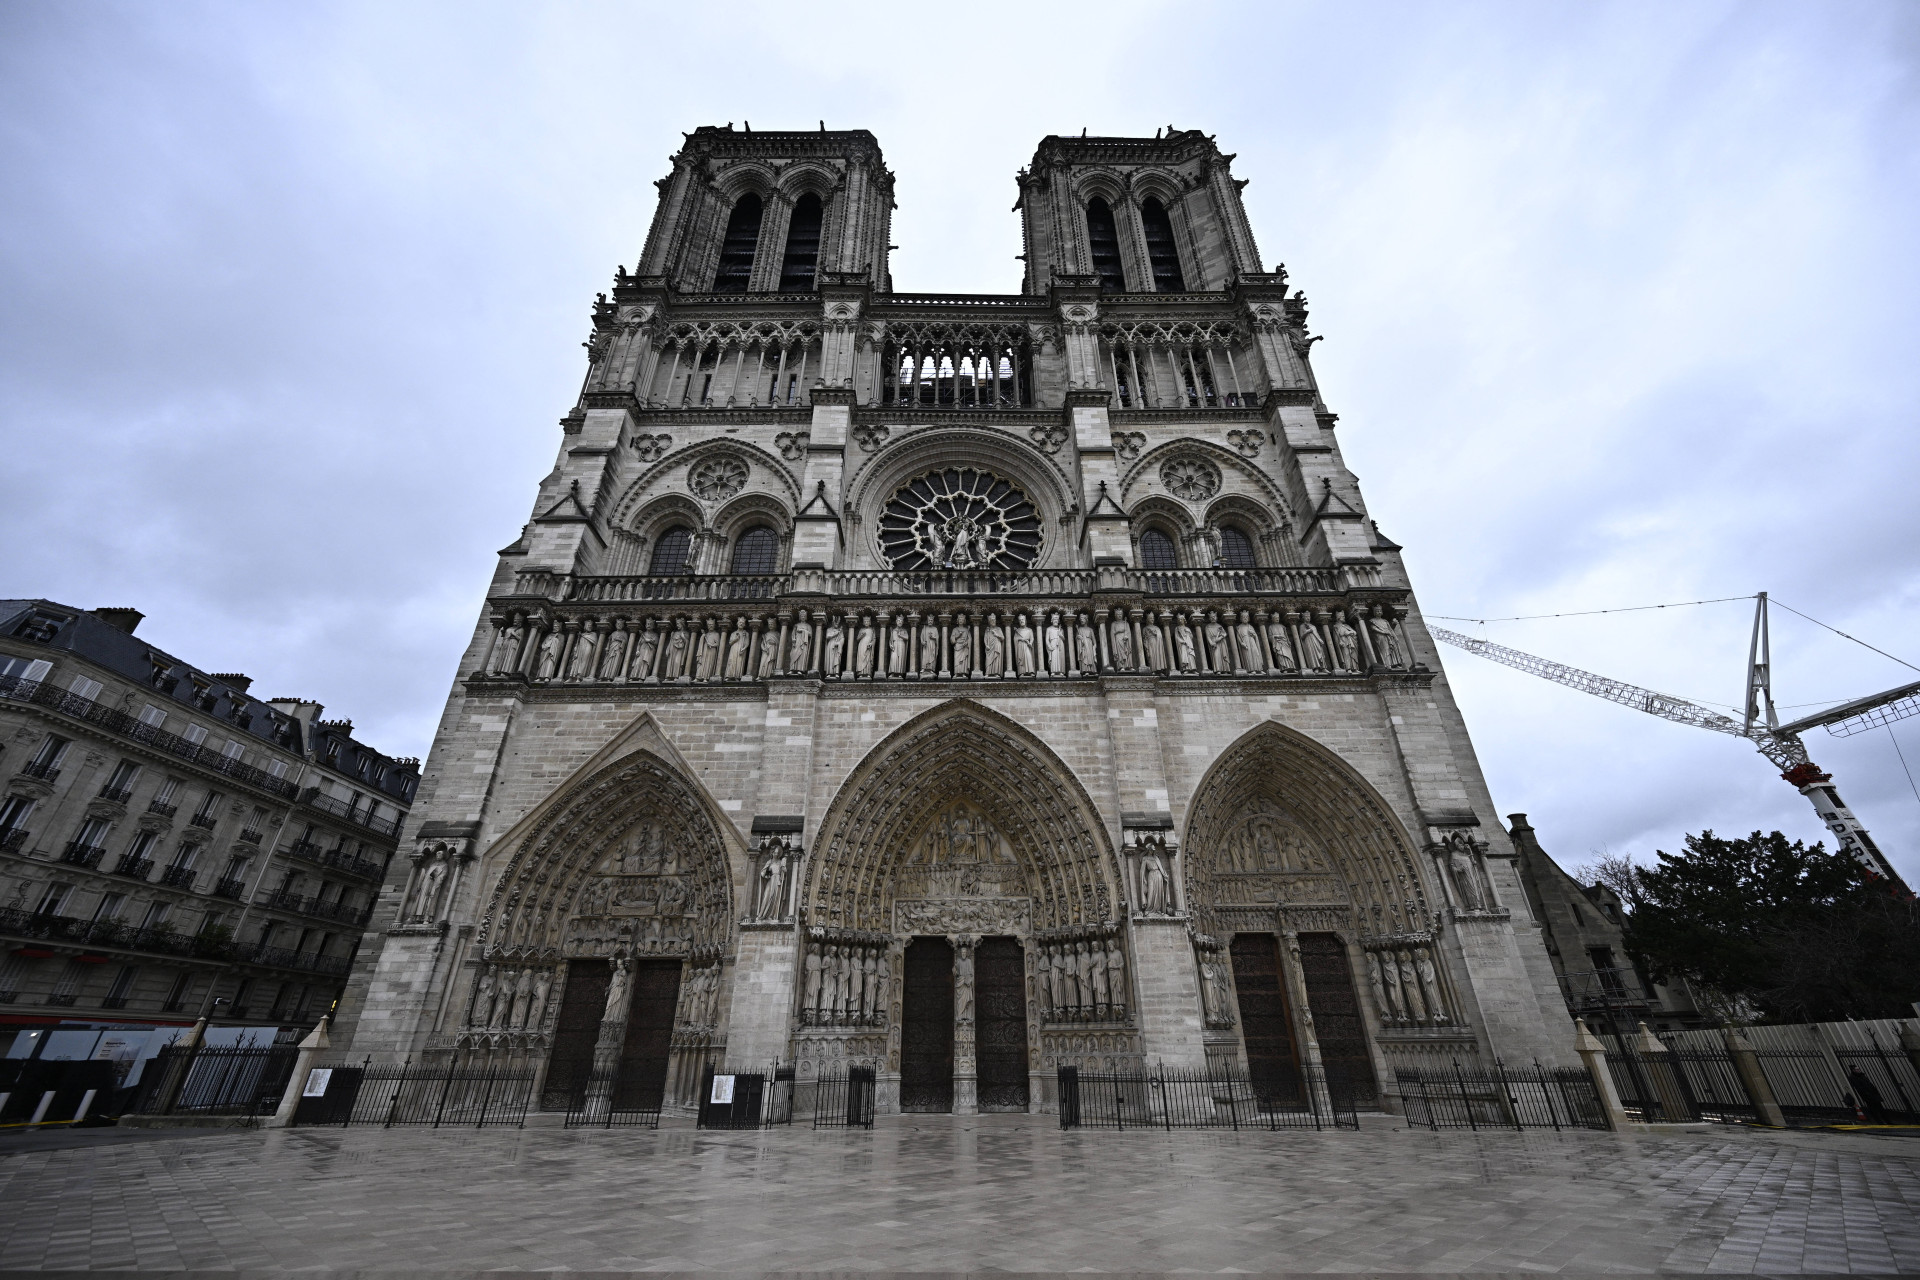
966,1071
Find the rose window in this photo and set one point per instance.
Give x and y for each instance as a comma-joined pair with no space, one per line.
960,518
1191,478
717,478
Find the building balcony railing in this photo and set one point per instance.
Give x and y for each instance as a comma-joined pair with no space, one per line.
118,795
13,839
314,798
40,694
118,935
337,859
313,906
45,770
178,877
134,868
62,999
249,837
114,1002
230,888
1599,990
850,584
164,810
82,855
204,820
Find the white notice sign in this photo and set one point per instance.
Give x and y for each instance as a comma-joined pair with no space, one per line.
317,1082
722,1090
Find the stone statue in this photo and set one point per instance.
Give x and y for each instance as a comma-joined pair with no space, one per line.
1183,644
833,647
963,983
1120,639
1346,642
427,909
585,650
1056,646
1282,645
619,991
1097,977
773,882
1088,644
1222,994
962,639
899,644
1155,642
537,1007
863,647
644,650
1386,642
1043,982
800,645
1430,986
769,649
482,1015
506,654
812,989
1466,878
1219,653
929,647
1023,646
1379,992
676,652
1057,976
1155,895
1313,652
1249,642
1083,971
707,661
993,647
737,643
613,660
549,664
1410,988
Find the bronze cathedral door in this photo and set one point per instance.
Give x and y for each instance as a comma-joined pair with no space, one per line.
926,1041
1000,1040
1265,1021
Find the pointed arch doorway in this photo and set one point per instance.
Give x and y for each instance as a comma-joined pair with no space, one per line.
961,918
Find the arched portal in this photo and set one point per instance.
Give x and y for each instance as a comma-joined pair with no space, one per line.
1304,890
962,827
605,932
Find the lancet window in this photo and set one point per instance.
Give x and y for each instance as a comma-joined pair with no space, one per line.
756,551
1175,367
1162,255
797,269
737,248
1236,549
956,372
1103,242
1156,552
708,367
671,553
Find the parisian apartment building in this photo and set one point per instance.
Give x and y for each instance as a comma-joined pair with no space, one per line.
172,846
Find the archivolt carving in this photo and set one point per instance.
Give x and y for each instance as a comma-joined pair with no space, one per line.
642,489
1279,823
1230,464
1046,842
629,860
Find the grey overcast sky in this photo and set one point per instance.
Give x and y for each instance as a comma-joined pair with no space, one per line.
1621,305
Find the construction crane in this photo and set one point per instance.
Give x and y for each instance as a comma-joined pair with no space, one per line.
1761,725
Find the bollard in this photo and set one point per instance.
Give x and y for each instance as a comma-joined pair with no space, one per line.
1753,1079
310,1050
1594,1054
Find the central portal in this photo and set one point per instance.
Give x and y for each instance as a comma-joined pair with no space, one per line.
1001,1048
926,1040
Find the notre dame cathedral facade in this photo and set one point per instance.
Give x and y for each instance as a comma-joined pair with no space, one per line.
956,685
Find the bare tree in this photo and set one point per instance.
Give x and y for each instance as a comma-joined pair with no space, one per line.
1616,871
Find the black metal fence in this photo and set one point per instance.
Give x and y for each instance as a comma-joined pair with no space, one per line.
404,1094
606,1101
210,1081
1533,1097
1884,1084
840,1099
1207,1099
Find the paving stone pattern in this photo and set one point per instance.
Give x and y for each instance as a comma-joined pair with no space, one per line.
931,1194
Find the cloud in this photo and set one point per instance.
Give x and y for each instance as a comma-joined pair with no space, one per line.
1619,305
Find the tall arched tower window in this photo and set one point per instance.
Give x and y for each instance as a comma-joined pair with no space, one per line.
797,269
1156,551
1236,549
670,554
1104,242
1161,253
736,251
757,551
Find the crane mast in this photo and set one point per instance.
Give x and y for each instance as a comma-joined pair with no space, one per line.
1779,743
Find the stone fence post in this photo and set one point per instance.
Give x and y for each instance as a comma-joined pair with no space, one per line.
1594,1054
1754,1080
1666,1083
311,1048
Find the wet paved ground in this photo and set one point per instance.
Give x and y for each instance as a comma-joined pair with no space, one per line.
928,1194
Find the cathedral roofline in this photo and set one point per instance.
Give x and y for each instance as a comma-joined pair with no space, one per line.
726,141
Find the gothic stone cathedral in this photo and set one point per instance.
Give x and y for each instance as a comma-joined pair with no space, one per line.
957,685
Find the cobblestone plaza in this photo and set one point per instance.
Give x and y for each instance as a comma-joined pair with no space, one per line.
943,1193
